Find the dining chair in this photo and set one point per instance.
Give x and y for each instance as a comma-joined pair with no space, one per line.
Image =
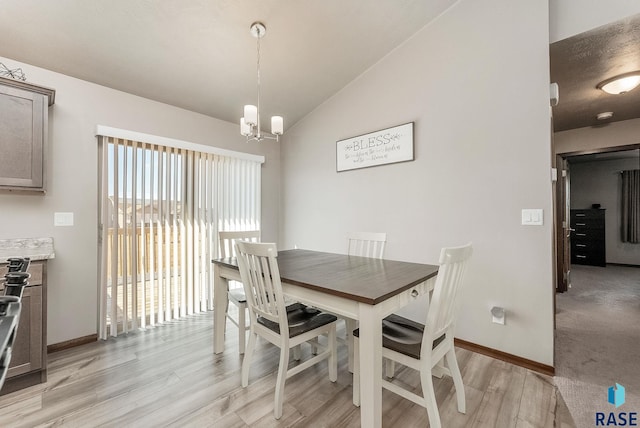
421,347
284,326
366,244
236,294
363,244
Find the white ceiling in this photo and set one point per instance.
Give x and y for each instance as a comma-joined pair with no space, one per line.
199,54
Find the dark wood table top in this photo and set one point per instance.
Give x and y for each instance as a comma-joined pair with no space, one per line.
361,279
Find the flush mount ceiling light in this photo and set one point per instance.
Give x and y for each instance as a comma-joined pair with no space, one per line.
620,84
604,115
250,123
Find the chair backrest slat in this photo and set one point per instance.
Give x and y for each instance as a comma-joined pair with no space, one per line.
366,244
261,280
445,300
228,240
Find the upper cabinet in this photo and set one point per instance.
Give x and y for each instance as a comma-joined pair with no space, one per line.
24,118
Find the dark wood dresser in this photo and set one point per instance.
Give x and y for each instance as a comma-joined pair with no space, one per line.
587,239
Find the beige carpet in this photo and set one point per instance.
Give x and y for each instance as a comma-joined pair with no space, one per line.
598,340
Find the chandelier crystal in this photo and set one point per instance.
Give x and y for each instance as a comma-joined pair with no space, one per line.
250,122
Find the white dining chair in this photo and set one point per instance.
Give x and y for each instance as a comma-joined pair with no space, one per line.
362,244
284,326
366,244
421,347
236,293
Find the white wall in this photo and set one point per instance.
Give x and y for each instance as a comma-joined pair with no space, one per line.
475,82
616,134
72,185
599,182
570,17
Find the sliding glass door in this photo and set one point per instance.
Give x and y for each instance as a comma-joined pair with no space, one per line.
161,209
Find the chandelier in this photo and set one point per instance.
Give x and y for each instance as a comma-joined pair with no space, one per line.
250,123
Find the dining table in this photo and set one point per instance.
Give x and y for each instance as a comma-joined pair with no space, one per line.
361,288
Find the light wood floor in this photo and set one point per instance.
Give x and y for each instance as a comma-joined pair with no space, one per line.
168,376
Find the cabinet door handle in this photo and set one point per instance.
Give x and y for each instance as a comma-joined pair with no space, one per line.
581,224
581,234
580,256
580,245
580,215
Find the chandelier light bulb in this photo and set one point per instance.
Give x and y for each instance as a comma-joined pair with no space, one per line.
251,115
245,129
277,125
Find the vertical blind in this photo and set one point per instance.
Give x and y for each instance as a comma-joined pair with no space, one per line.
160,212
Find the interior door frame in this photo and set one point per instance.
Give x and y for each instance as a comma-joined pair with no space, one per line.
560,201
563,259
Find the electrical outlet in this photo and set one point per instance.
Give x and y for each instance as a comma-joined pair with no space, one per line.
498,315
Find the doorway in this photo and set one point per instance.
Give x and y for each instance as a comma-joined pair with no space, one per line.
596,342
591,180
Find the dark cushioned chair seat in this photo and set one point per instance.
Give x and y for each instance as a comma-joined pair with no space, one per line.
301,319
238,294
402,335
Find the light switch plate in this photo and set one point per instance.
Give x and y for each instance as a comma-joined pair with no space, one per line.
63,219
532,217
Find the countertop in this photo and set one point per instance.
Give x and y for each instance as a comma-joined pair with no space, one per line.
34,248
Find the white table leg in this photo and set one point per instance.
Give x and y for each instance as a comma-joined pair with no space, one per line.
370,366
220,286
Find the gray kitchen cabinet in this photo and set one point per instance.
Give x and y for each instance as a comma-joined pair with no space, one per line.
24,117
29,353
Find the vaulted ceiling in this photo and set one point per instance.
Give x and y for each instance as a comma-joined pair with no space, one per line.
200,55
